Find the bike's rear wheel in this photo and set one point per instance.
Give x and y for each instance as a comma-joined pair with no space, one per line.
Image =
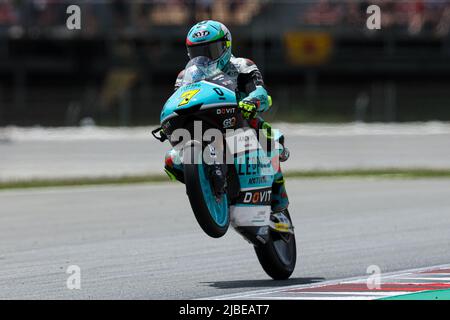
211,215
278,255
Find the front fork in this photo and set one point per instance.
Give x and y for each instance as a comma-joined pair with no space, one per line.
217,172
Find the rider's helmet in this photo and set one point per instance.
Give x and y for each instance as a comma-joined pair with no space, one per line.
210,39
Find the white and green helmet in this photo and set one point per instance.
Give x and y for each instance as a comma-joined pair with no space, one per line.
210,39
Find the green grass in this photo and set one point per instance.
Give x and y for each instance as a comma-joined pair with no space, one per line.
82,181
414,173
417,173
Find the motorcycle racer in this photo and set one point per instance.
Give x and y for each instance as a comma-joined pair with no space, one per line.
212,39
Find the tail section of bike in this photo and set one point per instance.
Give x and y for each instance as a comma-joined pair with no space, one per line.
251,214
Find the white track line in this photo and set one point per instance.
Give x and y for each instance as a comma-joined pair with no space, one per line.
427,279
355,293
359,279
314,298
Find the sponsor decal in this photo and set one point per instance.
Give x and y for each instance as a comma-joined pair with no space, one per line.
191,86
229,122
257,197
248,169
254,216
242,141
260,217
225,111
258,180
246,138
254,167
200,34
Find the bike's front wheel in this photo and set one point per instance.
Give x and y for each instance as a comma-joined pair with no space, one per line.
212,215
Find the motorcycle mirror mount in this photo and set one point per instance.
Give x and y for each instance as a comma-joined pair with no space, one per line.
162,136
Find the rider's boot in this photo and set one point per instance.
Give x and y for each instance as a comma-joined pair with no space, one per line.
173,166
280,199
280,219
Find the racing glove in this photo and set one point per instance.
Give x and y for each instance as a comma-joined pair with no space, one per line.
248,108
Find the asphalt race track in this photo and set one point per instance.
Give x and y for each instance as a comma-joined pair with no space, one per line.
142,241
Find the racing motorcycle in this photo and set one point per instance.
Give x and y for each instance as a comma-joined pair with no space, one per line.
228,168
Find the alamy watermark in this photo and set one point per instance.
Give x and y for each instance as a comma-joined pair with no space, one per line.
374,20
374,280
73,22
73,282
246,147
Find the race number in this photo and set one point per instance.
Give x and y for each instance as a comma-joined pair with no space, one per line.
187,96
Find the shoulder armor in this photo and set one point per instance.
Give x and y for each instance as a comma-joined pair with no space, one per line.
243,65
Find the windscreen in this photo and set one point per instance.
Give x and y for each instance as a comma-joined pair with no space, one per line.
198,69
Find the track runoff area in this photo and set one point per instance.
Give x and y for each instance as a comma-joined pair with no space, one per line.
430,283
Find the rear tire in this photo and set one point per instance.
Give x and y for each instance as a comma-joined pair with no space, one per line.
212,217
278,255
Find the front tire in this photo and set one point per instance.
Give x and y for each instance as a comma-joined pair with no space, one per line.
212,216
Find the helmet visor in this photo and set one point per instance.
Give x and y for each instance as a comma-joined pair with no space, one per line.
212,50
